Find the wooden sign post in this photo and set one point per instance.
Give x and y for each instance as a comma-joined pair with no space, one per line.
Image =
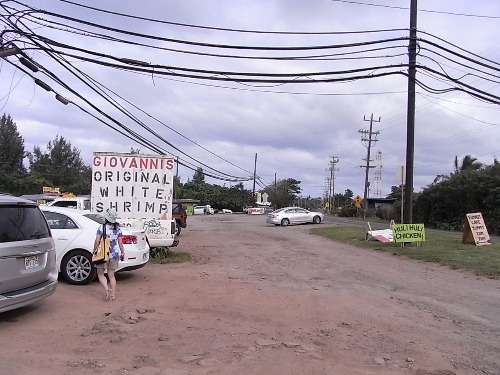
475,232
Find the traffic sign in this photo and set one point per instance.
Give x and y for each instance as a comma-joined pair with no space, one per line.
357,201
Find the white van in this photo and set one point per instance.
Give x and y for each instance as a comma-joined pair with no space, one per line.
81,203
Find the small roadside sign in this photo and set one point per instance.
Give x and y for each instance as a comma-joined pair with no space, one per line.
408,233
475,231
357,201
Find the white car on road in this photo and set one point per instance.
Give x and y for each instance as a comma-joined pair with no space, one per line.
294,215
200,210
74,234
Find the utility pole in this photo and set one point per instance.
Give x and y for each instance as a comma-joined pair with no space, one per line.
176,176
328,189
410,119
254,175
378,174
368,137
331,190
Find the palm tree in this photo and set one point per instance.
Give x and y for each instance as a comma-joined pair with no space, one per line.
469,163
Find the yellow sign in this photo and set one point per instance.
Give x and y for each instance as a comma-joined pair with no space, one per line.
408,232
50,189
327,204
357,201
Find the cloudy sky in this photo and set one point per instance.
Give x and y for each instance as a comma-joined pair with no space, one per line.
286,83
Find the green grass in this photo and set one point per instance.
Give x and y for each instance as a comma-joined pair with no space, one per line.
444,249
164,255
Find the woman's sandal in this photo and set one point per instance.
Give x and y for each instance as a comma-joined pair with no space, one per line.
106,296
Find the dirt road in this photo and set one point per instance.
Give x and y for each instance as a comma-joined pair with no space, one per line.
259,299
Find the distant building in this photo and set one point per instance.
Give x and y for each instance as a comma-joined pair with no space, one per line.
374,203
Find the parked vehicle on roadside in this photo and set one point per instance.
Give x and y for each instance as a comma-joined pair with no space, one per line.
294,215
206,209
79,202
28,271
180,216
41,198
74,233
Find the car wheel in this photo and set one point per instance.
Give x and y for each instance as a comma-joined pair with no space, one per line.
285,222
316,220
77,267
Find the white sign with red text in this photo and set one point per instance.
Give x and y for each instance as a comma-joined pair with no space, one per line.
136,186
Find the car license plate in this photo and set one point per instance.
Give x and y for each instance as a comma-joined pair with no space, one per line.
31,262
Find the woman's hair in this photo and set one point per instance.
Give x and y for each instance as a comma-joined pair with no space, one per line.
114,225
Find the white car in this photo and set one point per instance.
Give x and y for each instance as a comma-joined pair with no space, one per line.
74,234
200,210
294,215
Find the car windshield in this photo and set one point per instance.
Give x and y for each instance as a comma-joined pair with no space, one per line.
96,217
178,209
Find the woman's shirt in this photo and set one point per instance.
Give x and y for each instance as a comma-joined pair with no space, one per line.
112,234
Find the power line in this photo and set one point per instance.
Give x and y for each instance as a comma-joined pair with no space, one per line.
223,175
420,10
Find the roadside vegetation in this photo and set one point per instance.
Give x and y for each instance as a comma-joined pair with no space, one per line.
444,249
165,255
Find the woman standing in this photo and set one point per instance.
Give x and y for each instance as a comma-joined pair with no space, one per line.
110,230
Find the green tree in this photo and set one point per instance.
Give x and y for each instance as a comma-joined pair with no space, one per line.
199,176
11,147
346,204
60,164
469,163
12,170
343,199
444,204
203,192
348,193
234,198
177,186
284,192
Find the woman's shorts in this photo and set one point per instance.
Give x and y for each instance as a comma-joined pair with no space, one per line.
111,264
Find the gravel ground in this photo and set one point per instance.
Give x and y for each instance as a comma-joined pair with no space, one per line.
260,299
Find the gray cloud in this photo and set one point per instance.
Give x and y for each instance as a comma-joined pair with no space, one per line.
293,134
